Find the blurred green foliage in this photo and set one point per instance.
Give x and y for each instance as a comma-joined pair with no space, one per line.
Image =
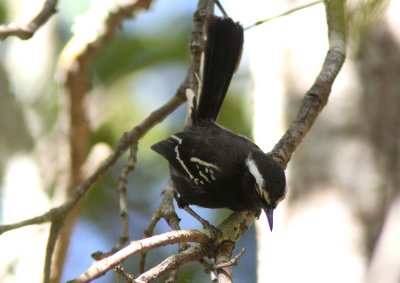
131,53
2,12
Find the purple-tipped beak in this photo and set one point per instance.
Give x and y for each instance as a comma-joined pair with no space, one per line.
270,216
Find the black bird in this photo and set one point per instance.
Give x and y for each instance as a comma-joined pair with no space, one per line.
211,166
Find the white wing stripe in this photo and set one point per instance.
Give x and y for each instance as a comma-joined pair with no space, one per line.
204,163
178,157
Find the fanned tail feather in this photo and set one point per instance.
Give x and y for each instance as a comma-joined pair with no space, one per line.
222,54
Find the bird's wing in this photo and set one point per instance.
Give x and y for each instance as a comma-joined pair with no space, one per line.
196,156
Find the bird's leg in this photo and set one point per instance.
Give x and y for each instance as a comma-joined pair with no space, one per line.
206,225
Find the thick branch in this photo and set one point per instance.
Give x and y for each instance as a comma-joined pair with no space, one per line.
172,263
224,274
100,267
231,228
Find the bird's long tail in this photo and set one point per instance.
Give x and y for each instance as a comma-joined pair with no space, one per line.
222,55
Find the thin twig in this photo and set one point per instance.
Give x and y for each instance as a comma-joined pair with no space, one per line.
166,210
123,199
55,229
120,270
148,232
26,31
123,144
233,261
123,203
203,222
284,14
221,8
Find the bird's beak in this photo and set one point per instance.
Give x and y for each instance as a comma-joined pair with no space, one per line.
270,216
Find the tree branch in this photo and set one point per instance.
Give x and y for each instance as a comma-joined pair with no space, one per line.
231,229
98,268
75,63
317,97
123,203
123,198
167,211
166,208
284,14
173,263
224,272
123,144
28,30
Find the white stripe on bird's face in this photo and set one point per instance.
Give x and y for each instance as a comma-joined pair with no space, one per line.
253,169
260,182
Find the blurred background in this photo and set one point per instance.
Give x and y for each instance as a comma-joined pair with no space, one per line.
340,220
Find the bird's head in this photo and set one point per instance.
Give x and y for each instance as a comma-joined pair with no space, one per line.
270,182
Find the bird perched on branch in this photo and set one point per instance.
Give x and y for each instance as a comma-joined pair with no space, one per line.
211,166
